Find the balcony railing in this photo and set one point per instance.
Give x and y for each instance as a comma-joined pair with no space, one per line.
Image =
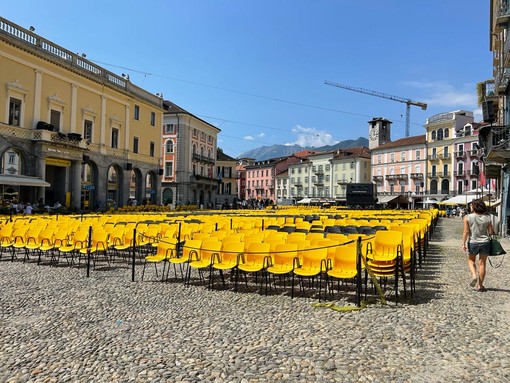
377,178
444,156
432,157
497,143
432,175
402,176
461,154
391,176
417,176
503,14
460,173
40,45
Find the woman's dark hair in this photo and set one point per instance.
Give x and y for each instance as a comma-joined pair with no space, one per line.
479,206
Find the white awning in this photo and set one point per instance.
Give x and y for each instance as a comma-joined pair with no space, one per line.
461,199
7,179
386,198
304,200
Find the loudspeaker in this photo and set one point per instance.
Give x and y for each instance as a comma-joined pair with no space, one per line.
129,166
488,111
160,172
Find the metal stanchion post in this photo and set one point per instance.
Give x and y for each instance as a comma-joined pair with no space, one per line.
134,256
89,244
358,272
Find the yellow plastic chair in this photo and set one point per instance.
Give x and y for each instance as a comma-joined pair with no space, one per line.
254,260
283,260
385,259
165,250
203,259
227,259
343,266
182,257
313,264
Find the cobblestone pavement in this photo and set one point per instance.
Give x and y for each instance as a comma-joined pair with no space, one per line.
57,325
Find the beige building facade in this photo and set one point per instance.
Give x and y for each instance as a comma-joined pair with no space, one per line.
71,131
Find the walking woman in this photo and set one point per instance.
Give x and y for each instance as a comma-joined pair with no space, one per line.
476,241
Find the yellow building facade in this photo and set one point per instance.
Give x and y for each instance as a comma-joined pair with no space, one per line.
71,131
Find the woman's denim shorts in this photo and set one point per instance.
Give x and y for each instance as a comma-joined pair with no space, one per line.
483,248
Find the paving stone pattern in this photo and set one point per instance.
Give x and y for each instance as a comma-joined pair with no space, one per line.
57,325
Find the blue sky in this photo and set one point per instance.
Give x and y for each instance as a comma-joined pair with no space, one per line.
256,69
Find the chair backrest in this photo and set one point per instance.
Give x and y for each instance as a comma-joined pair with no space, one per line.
166,247
345,258
191,247
256,252
284,253
208,248
388,242
310,236
231,250
315,259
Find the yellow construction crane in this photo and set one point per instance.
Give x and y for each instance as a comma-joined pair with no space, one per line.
406,101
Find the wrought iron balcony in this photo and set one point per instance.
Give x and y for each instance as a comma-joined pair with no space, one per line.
417,176
461,154
377,178
496,140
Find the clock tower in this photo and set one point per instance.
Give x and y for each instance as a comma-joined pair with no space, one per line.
379,130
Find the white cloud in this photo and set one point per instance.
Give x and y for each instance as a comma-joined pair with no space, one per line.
311,137
254,137
440,93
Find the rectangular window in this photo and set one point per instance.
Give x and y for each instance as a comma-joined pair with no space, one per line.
151,149
137,112
403,156
392,157
153,119
135,145
55,120
195,133
379,158
14,112
418,154
169,168
115,138
169,128
87,130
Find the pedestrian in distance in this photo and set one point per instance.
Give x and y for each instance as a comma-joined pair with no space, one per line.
476,241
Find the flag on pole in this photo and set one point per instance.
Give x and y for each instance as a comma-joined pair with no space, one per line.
483,180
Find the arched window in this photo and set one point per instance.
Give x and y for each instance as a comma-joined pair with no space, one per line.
439,134
446,133
194,149
202,151
169,146
433,134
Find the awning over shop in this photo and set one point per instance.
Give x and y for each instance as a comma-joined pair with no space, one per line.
304,200
461,199
386,198
7,179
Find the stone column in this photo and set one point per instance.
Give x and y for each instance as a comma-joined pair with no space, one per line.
41,165
37,99
76,184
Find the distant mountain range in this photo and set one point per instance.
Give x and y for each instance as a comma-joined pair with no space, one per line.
275,151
